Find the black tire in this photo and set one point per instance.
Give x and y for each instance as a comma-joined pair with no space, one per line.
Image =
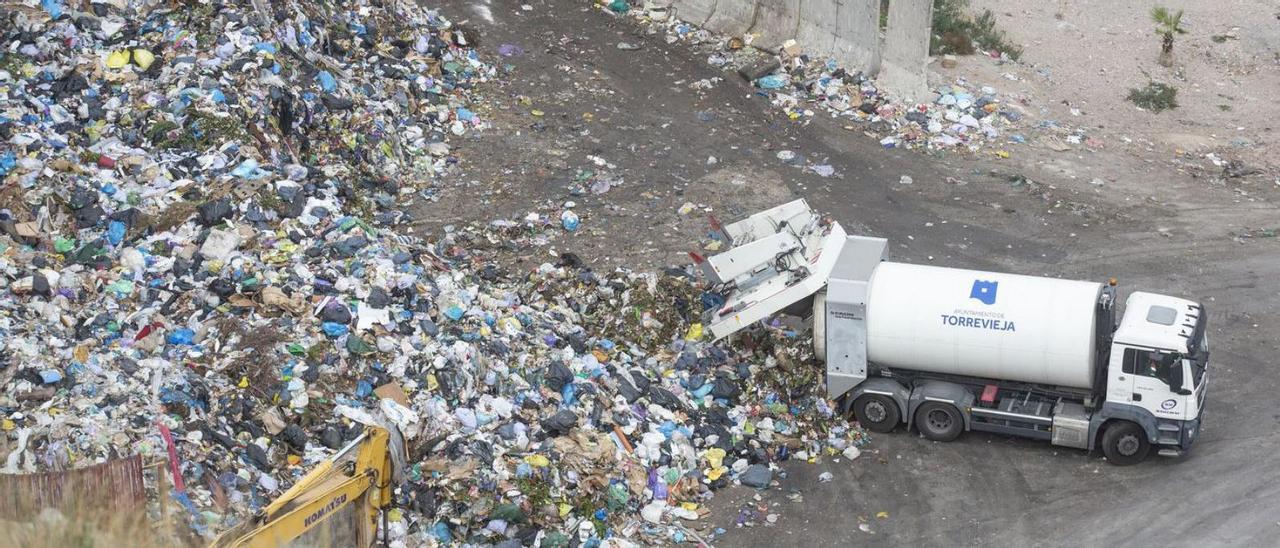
877,413
939,421
1125,443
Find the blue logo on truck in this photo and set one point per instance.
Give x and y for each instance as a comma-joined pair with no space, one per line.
984,291
994,320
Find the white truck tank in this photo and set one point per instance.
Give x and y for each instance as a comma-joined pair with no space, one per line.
982,324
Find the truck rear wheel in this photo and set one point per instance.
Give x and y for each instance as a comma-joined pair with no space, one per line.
877,413
1125,443
939,421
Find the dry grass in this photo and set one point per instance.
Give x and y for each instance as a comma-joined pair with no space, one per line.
175,215
260,366
96,528
11,199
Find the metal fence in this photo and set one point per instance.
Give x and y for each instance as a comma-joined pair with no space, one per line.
113,485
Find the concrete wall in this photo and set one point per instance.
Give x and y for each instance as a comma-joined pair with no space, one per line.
906,49
845,30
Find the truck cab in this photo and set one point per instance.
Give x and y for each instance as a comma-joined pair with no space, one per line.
1157,372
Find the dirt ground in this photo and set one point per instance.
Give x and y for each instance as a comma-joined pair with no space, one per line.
1082,57
1153,223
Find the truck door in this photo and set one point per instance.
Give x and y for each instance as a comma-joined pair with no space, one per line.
1120,377
1149,370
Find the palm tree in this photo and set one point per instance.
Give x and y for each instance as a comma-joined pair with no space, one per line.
1168,23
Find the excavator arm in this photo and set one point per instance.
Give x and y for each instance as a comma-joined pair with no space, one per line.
359,478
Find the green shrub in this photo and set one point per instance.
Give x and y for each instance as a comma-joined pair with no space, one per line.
1155,97
955,32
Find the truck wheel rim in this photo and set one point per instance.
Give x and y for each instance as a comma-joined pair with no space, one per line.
876,412
1128,445
939,420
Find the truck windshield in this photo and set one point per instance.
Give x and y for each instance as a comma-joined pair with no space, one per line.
1200,360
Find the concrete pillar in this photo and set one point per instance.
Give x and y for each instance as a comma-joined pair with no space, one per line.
732,17
696,12
776,22
906,50
846,30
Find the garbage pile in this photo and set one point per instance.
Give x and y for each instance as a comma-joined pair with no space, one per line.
961,116
200,234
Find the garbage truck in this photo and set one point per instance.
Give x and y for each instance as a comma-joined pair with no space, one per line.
946,350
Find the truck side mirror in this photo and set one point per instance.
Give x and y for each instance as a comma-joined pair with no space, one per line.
1175,379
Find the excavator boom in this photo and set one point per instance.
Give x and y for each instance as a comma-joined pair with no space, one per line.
358,477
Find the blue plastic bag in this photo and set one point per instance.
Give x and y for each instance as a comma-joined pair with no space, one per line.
181,336
454,312
441,531
569,220
54,7
249,169
569,393
115,232
333,330
772,81
327,81
7,163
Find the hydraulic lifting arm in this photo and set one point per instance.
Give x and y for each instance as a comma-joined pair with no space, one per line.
360,474
786,255
771,259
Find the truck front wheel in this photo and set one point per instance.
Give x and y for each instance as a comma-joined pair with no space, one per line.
1125,443
939,421
876,412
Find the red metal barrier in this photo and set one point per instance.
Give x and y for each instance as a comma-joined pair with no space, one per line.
114,485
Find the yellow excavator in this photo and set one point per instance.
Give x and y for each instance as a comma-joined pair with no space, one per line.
337,504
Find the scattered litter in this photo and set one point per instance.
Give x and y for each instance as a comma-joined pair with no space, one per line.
959,115
1236,169
757,475
823,170
510,50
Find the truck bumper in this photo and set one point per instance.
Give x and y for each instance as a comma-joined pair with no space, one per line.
1190,429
